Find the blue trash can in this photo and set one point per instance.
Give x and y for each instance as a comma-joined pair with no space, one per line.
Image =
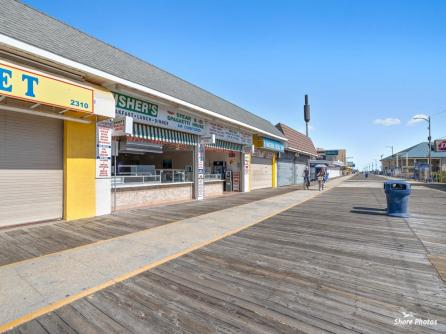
397,193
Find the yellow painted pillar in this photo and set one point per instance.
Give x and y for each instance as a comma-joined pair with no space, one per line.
79,170
274,170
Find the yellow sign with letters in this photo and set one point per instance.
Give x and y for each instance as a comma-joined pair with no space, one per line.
35,87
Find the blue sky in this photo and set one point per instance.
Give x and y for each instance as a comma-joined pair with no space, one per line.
359,61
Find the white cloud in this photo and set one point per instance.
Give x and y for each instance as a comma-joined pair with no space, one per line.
417,119
387,121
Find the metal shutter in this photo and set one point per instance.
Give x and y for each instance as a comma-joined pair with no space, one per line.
285,172
262,173
31,168
299,169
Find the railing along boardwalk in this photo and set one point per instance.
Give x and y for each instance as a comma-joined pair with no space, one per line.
335,263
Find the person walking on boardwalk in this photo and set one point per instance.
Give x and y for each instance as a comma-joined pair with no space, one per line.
306,178
320,178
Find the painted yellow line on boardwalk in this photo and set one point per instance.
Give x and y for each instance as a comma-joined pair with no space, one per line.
58,304
95,243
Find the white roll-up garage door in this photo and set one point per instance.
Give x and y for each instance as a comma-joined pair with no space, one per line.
285,172
262,173
31,168
299,171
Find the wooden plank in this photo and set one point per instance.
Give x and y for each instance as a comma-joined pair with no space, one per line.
439,263
53,324
318,267
32,327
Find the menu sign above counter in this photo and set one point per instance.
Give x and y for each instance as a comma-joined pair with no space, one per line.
231,135
146,112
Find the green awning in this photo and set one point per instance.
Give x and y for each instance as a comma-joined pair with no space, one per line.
149,132
226,145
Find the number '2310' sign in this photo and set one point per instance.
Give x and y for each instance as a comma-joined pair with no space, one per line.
31,86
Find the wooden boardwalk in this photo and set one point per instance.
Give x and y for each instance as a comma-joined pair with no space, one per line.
334,264
23,243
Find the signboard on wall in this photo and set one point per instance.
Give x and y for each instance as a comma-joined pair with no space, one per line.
248,149
103,149
332,152
146,112
440,145
199,181
122,126
228,134
246,163
274,145
31,86
236,181
267,143
210,139
263,154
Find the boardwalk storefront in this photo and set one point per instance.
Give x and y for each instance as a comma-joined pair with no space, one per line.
264,162
292,163
225,160
156,154
163,148
47,143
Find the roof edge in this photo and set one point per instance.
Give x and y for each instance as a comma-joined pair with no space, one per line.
140,59
29,48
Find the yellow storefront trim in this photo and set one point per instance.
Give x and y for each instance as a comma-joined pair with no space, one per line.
274,171
79,170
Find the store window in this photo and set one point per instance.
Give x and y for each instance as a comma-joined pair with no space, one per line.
147,163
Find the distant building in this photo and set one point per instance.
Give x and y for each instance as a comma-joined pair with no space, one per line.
298,151
333,155
413,159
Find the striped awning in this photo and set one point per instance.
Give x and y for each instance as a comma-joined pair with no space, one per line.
154,133
226,145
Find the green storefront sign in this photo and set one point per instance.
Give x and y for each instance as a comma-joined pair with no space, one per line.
145,112
135,105
332,152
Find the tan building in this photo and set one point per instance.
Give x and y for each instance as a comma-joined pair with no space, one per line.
333,155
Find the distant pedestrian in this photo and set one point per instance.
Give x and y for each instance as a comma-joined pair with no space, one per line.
306,178
320,178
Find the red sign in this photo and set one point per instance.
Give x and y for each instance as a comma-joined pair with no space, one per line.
236,181
103,150
440,145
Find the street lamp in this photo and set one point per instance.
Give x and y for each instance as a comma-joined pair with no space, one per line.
429,138
391,147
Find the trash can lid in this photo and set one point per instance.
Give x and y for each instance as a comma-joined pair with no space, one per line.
396,181
396,184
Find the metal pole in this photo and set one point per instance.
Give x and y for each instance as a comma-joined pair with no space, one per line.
407,163
306,114
430,150
393,160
